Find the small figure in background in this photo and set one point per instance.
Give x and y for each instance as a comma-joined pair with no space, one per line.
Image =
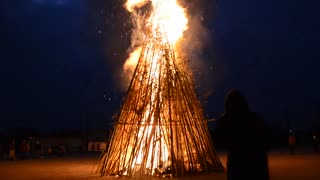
292,142
23,149
1,151
38,148
12,149
315,139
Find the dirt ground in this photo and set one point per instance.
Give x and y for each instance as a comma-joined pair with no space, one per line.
303,165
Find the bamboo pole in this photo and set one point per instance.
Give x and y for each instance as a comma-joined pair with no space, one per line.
161,130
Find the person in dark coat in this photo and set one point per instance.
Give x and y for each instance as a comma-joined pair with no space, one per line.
12,150
23,148
245,136
315,139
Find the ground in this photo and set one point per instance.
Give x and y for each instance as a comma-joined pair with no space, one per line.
303,165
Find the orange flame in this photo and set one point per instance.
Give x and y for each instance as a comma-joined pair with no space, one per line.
167,23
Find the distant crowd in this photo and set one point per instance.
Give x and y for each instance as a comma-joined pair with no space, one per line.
28,149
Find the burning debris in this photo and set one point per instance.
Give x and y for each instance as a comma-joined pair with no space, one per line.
160,130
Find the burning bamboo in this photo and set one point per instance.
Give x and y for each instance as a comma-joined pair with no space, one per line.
161,130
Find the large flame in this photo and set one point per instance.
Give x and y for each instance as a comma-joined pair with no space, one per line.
168,19
161,130
167,22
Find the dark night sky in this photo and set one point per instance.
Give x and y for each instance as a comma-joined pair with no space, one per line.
59,60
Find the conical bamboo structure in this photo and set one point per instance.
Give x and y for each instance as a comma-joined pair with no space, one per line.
160,130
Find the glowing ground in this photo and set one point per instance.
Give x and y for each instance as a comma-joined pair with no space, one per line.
303,165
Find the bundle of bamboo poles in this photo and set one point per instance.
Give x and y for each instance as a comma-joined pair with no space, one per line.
161,130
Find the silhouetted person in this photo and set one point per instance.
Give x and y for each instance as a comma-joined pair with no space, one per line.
292,142
245,136
315,139
12,149
1,151
23,149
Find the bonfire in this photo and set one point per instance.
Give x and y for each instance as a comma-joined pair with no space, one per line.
160,130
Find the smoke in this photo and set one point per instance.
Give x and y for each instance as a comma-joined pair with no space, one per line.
198,46
138,23
131,4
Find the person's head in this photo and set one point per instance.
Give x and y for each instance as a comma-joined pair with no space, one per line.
235,102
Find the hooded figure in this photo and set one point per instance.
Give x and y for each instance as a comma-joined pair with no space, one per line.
244,134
